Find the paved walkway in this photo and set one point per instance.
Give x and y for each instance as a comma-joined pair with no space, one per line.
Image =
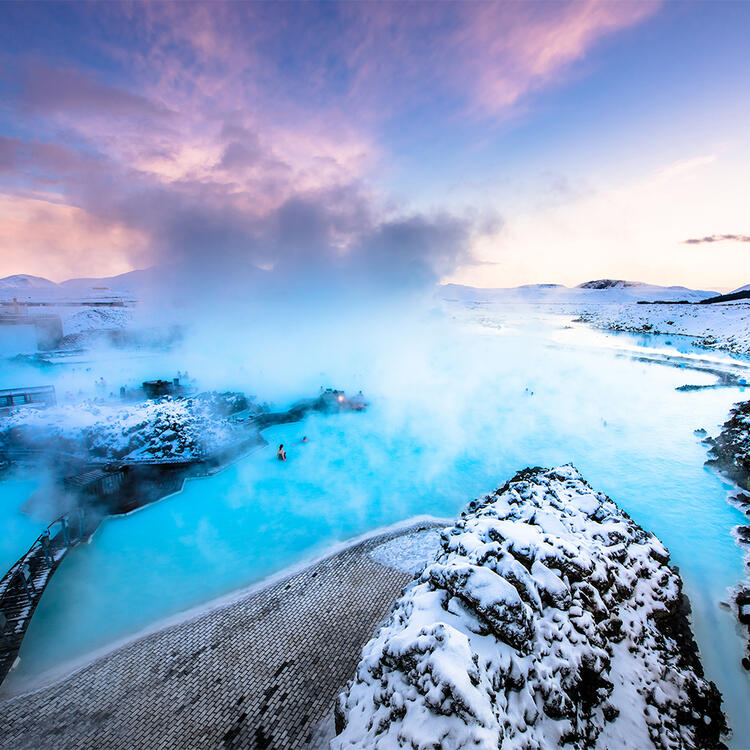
261,672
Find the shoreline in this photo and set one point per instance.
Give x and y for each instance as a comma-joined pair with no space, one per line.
56,675
728,456
646,319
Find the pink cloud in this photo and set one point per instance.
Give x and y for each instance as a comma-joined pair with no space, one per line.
48,89
214,139
510,54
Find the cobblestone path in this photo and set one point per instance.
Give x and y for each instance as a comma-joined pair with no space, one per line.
260,672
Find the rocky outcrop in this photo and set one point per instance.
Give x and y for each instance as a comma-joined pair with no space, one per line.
166,429
729,452
741,593
549,618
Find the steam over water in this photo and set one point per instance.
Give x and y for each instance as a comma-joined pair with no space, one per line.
456,409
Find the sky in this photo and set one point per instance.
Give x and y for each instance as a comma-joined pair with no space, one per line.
400,144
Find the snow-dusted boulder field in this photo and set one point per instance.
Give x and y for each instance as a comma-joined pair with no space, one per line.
548,619
719,326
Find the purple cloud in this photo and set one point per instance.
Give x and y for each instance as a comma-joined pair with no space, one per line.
717,238
45,89
253,130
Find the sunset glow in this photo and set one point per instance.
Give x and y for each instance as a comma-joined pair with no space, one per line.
569,139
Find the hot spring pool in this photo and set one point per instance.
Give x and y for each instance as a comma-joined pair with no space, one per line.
19,530
482,406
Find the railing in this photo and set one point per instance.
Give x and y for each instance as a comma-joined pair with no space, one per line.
20,454
46,542
22,586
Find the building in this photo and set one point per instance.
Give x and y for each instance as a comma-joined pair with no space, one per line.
31,396
20,333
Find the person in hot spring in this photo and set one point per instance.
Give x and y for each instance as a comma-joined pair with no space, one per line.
281,453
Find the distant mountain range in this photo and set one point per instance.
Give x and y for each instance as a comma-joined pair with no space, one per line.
599,290
24,285
23,282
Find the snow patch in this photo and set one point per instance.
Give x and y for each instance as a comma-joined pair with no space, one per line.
409,553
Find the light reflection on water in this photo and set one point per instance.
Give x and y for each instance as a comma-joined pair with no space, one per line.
486,406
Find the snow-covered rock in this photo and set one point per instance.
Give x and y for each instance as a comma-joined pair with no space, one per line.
97,319
729,452
730,449
170,429
549,618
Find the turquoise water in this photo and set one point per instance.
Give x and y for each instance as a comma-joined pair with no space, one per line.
19,530
451,418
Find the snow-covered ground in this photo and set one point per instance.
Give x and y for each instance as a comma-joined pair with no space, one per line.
720,326
613,305
549,617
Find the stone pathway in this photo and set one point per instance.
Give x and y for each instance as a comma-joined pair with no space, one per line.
261,672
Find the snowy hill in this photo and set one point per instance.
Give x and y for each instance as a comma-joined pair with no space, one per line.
22,282
123,283
40,288
600,291
745,288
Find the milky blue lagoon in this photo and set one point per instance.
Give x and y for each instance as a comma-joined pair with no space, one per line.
19,529
482,404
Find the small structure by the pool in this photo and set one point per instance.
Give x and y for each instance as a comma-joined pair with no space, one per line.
25,332
30,396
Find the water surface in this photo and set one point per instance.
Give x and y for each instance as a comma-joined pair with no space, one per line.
479,404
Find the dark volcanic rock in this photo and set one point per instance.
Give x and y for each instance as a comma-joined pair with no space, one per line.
729,452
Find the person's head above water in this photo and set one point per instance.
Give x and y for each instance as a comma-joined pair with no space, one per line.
281,446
